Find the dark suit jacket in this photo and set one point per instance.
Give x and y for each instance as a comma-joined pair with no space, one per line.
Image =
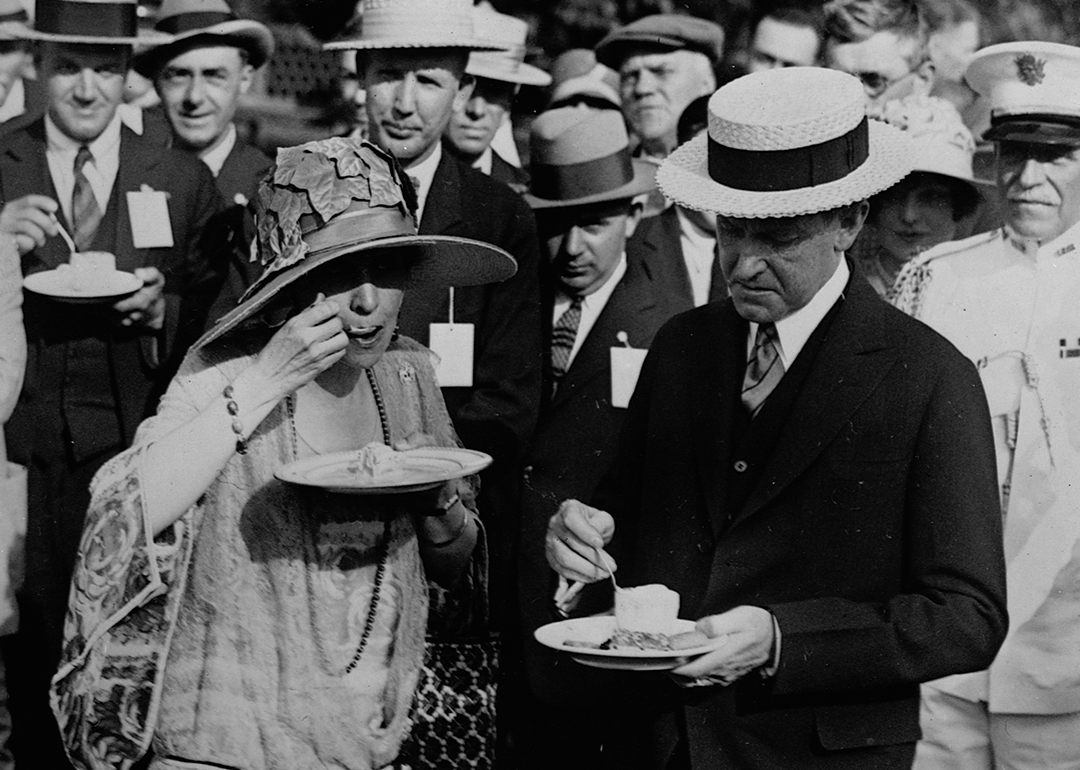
517,179
498,413
662,237
576,437
872,532
240,175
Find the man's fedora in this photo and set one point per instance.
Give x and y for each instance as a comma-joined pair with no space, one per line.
188,24
582,156
783,143
507,66
14,20
414,24
1032,90
106,22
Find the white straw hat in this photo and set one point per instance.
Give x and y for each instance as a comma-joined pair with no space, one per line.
783,143
14,20
415,24
507,66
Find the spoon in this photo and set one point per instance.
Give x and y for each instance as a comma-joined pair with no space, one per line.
609,567
64,235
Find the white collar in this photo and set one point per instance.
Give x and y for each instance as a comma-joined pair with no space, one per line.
424,173
215,157
1065,243
794,330
108,141
484,162
15,103
598,299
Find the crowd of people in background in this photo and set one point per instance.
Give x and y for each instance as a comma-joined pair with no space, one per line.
770,302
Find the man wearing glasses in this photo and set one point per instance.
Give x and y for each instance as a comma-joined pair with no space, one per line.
881,42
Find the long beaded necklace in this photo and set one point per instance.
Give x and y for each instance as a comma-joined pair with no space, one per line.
384,545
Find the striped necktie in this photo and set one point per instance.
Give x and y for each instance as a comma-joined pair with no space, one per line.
562,339
764,369
85,213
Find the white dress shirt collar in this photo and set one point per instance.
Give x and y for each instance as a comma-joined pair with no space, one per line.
484,162
699,255
15,103
592,305
795,329
424,175
215,157
60,151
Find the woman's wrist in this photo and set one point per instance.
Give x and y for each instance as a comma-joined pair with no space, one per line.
443,530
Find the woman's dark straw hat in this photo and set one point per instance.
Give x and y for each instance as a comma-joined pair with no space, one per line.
334,198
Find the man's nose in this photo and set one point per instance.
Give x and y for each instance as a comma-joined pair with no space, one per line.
196,90
405,96
365,298
1031,173
476,107
645,83
84,86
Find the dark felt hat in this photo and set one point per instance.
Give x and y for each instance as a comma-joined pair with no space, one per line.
662,31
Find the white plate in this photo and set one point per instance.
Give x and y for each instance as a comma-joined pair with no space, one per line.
417,469
53,283
599,628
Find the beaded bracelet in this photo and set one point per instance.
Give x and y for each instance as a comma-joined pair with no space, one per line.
237,427
454,537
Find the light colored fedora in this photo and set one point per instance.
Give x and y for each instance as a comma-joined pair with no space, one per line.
507,66
783,143
105,22
1033,91
415,24
582,156
187,24
941,143
333,198
14,20
578,77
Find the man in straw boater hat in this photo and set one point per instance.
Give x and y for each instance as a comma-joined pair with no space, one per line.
16,62
499,76
605,299
95,368
411,56
1008,300
810,471
202,70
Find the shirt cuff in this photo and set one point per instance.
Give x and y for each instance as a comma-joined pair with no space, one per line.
773,665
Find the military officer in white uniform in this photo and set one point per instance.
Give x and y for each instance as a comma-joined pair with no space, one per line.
1010,300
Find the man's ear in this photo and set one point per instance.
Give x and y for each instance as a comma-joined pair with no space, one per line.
247,77
464,92
852,219
637,208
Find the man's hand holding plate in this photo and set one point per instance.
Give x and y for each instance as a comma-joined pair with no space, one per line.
748,645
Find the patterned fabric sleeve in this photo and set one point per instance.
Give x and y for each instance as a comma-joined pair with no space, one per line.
124,599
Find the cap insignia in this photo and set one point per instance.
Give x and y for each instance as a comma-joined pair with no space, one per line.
1030,70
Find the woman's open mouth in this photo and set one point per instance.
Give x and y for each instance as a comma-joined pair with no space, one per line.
365,335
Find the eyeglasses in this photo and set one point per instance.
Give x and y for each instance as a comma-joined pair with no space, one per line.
876,84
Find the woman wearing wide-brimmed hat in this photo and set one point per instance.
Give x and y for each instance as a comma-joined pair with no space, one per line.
222,617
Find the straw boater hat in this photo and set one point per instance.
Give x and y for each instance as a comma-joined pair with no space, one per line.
415,24
581,157
507,66
14,21
940,142
786,142
1033,91
199,24
106,22
333,198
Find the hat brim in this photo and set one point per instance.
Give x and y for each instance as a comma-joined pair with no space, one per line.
444,261
435,41
524,75
56,37
252,36
644,181
1035,132
14,30
684,177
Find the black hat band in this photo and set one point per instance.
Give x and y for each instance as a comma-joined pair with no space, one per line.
779,170
580,180
186,22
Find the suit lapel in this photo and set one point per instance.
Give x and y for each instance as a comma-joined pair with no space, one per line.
27,172
850,364
137,159
718,374
442,209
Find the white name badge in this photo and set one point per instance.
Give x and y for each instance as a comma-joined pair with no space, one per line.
625,369
151,227
453,344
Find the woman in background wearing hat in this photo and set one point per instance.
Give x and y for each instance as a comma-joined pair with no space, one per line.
930,205
228,619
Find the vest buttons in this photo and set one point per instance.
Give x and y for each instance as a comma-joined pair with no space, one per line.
704,546
526,473
740,466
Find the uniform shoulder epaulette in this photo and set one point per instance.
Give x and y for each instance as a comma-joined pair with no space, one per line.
957,247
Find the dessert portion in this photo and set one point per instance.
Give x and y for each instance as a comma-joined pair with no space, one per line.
375,461
648,609
89,271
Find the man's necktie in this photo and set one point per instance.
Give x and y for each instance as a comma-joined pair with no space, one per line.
562,339
85,213
764,369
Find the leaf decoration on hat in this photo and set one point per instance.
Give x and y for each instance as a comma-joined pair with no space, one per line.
322,179
1030,70
926,119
